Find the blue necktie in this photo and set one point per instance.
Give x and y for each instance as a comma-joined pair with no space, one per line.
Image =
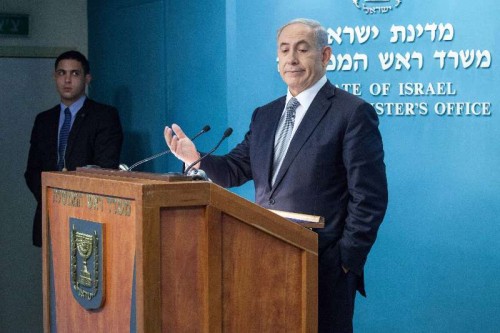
63,139
285,128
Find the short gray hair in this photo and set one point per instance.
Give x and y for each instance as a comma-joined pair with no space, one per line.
320,33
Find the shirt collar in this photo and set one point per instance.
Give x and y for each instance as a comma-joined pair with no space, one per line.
75,107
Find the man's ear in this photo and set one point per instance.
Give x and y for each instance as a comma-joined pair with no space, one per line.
88,78
326,54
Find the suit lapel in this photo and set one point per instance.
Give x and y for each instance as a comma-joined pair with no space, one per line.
317,110
77,125
53,133
268,133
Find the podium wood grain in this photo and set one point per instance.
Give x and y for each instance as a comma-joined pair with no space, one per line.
204,259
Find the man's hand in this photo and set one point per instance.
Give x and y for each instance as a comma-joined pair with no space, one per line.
180,145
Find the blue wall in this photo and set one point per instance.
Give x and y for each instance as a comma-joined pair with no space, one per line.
152,62
127,59
436,263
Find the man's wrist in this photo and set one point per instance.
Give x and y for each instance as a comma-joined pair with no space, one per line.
188,163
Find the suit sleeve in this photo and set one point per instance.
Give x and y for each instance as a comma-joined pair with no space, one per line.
363,156
108,140
234,168
33,173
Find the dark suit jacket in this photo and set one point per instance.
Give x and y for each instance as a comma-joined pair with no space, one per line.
333,168
95,138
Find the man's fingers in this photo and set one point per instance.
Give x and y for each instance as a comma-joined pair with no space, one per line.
178,131
171,140
179,144
167,133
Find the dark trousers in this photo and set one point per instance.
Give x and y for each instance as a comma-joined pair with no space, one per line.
337,292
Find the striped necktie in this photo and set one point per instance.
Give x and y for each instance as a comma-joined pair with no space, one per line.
285,127
63,139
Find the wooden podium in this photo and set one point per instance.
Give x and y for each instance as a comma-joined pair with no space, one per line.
138,252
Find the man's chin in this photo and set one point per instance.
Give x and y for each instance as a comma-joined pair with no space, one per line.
292,78
294,84
66,93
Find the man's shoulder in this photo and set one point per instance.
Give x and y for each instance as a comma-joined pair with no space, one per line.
99,111
348,98
52,113
351,107
277,103
91,104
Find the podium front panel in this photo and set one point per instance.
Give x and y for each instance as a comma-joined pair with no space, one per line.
72,217
129,252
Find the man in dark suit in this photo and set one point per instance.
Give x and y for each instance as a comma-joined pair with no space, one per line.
332,166
75,133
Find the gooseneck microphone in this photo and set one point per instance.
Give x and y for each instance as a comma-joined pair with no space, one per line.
200,173
124,167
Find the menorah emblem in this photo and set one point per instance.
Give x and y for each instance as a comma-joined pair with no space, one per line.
84,244
87,262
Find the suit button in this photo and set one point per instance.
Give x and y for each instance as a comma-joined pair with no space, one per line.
272,202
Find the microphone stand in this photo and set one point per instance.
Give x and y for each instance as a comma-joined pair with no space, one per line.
124,167
198,174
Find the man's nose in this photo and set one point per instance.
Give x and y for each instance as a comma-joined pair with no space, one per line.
292,58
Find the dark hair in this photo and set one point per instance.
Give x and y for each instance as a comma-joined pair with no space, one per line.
74,55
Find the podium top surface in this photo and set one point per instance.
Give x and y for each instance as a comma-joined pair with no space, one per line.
159,191
164,177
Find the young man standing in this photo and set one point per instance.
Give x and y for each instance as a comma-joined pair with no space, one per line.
76,132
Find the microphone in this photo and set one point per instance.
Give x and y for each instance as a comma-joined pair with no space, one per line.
124,167
200,174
